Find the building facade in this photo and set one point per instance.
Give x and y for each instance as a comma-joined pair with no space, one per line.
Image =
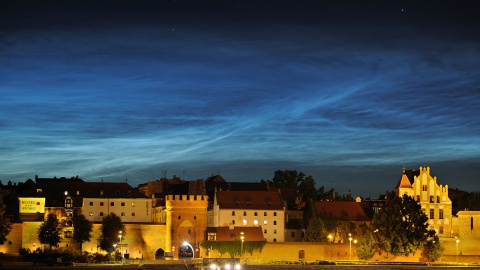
433,198
250,208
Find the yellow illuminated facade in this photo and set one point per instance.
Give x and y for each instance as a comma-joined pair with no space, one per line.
432,197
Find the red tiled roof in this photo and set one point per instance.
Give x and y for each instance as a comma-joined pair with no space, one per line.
233,233
348,211
265,200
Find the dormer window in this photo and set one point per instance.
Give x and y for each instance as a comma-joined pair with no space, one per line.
117,192
39,190
68,202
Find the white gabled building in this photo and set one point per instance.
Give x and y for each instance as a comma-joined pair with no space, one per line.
250,208
431,196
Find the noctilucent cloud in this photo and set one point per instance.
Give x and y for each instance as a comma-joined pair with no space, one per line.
346,92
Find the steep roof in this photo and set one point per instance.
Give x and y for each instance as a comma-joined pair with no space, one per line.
341,210
266,200
404,182
233,233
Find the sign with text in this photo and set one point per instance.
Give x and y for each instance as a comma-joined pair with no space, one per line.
32,205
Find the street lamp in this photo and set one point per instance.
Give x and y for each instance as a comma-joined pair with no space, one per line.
120,244
329,238
193,251
114,255
354,241
242,237
456,245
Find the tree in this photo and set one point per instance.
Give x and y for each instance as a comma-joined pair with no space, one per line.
111,227
288,179
5,228
49,232
315,231
435,248
82,229
401,226
366,243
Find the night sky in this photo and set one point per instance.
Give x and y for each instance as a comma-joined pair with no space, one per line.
346,91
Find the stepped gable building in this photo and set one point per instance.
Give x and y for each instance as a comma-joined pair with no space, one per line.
433,198
250,208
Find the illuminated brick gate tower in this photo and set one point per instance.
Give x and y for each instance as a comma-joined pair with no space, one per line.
186,221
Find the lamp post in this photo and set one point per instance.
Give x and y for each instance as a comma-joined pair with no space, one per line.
193,251
120,244
354,241
329,238
456,248
114,255
242,238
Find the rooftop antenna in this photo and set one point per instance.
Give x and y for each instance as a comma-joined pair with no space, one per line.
403,168
126,177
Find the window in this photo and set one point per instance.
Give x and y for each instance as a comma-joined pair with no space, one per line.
101,214
440,214
68,203
274,239
179,217
255,222
129,193
264,214
122,204
471,223
432,213
424,187
265,231
112,204
194,217
78,192
274,231
244,213
90,214
418,198
133,204
441,230
123,214
211,236
117,192
233,222
101,192
101,203
90,203
274,214
189,231
438,199
431,199
68,234
274,222
133,214
244,222
292,234
264,222
255,214
233,213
